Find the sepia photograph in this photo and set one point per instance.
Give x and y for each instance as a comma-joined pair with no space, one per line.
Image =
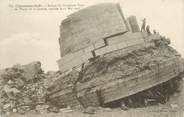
91,58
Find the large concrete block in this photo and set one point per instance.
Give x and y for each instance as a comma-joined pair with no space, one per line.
89,25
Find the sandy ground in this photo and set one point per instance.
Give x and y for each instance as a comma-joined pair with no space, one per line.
173,108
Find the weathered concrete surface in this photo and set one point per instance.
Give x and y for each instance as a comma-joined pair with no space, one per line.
94,31
89,25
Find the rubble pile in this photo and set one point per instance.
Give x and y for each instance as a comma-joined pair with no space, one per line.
22,88
51,77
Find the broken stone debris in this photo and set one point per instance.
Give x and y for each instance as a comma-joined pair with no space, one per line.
22,88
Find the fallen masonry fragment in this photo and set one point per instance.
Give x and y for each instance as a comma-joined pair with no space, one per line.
106,58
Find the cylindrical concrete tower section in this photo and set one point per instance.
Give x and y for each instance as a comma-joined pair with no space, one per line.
133,25
94,31
90,25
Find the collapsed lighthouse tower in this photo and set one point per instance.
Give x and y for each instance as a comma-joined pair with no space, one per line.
105,58
94,31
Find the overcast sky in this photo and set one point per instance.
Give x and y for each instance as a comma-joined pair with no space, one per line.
27,36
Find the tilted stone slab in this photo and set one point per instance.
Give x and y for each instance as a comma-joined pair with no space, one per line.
147,79
89,25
